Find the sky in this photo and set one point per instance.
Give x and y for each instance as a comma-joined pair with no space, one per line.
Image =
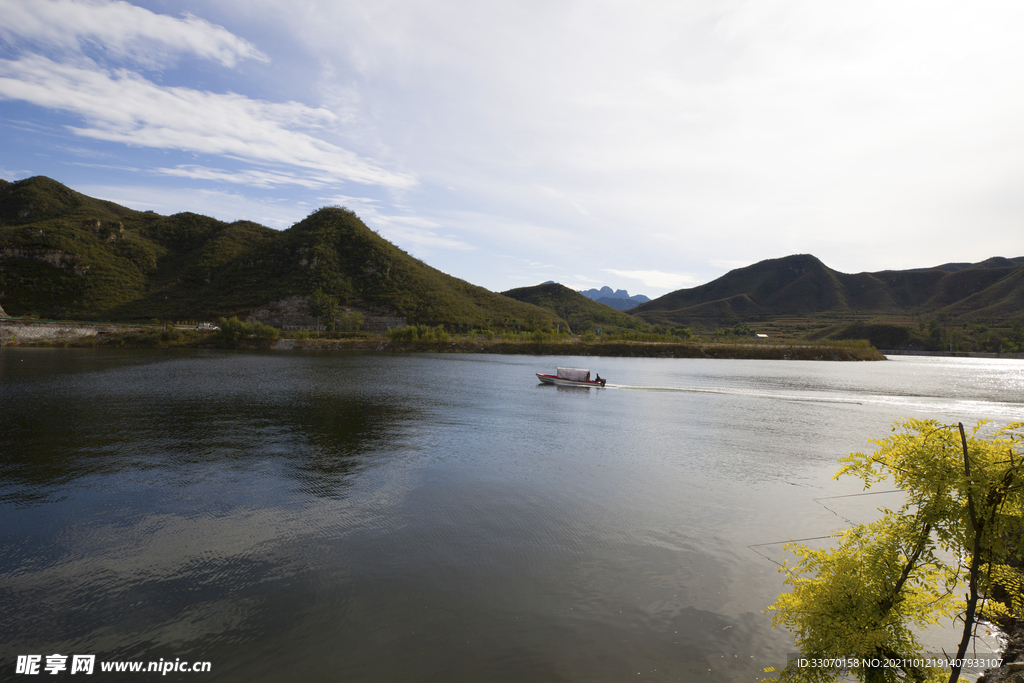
647,146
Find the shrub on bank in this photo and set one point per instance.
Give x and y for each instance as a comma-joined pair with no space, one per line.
232,329
417,333
171,335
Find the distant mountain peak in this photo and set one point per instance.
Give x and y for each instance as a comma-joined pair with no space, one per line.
607,292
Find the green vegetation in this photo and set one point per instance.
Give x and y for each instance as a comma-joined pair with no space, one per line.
418,333
67,256
585,316
142,339
939,334
323,307
962,524
232,330
798,294
943,333
582,314
346,260
881,335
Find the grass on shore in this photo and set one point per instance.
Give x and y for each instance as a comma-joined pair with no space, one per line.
473,343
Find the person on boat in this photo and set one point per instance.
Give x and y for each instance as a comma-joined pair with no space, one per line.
598,379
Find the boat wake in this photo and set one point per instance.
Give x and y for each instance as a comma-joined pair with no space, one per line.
750,393
992,409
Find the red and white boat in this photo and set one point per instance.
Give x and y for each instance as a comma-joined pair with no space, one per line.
571,377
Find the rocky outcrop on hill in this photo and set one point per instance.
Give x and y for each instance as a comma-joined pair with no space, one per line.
290,314
54,257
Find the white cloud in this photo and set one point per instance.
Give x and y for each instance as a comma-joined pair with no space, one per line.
250,177
497,228
364,207
403,231
660,137
8,174
655,278
125,107
732,264
120,29
406,231
588,280
699,131
561,196
225,206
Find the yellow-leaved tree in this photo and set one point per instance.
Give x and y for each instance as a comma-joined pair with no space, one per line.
933,559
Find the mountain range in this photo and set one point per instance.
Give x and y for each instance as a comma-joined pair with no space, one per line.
618,299
801,285
66,255
583,314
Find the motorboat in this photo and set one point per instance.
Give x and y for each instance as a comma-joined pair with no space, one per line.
571,377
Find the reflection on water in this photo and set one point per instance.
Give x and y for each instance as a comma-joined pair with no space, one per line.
181,420
428,517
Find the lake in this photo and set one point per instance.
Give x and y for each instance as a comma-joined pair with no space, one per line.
326,516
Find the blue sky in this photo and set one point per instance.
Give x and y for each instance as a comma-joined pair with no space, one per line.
646,146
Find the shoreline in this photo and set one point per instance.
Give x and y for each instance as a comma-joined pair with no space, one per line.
1012,669
617,349
574,348
949,354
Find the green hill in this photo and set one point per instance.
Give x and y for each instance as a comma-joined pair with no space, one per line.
66,255
801,285
583,314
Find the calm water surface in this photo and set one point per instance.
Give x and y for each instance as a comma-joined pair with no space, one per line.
303,516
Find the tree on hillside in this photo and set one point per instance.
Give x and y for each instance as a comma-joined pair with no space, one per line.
352,321
861,599
323,307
